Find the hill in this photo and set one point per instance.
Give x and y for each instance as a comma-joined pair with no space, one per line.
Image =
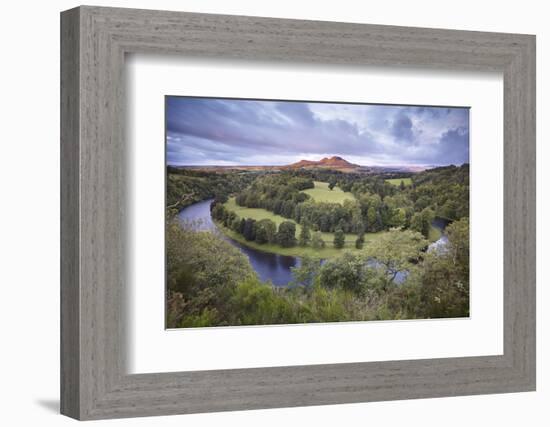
333,162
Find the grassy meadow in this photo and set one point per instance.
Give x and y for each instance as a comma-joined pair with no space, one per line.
321,193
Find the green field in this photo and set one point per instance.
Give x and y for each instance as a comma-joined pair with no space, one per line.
397,181
321,193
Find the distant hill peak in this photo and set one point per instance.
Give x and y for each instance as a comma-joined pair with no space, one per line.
334,161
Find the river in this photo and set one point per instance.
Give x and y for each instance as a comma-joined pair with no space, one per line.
269,266
441,243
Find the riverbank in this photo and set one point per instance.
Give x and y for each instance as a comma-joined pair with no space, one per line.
329,251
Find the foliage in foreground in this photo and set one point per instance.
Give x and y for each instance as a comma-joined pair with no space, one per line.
211,283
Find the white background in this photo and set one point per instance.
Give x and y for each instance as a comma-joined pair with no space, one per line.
152,349
29,236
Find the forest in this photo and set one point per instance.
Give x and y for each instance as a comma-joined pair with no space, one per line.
377,205
362,240
186,186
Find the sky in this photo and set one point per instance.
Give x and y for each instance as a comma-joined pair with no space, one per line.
216,131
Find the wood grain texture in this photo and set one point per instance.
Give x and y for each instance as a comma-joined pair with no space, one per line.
94,272
70,292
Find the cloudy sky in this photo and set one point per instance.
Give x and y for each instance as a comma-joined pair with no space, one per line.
209,131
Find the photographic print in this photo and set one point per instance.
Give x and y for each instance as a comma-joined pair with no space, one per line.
288,212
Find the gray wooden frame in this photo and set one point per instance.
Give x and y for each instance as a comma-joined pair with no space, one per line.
94,41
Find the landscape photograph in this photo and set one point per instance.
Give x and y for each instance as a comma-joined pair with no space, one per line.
292,212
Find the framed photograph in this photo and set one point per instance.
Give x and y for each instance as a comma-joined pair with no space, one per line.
262,213
283,212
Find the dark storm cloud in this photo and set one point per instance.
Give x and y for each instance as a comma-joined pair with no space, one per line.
402,128
221,131
454,146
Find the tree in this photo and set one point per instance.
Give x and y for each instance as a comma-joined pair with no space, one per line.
396,251
324,222
444,291
341,225
265,231
401,185
422,203
301,183
448,210
249,231
356,225
202,271
317,240
416,222
287,209
236,225
229,217
331,183
339,238
349,272
422,221
360,241
398,218
459,244
371,219
221,198
305,235
305,274
398,200
241,199
252,200
271,229
242,225
445,277
260,234
286,236
218,212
